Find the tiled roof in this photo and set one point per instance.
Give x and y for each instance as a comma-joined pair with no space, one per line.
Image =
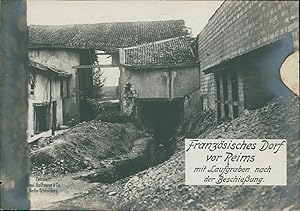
42,67
104,36
172,51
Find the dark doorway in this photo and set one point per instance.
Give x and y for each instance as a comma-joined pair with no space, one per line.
162,116
85,79
54,119
64,109
85,92
41,119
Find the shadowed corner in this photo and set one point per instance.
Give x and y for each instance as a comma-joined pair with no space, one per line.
13,106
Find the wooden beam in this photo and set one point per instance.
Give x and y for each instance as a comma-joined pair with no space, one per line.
108,54
159,99
94,66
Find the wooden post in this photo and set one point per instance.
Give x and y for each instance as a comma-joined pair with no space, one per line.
230,98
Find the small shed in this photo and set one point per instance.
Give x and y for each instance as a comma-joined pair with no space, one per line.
157,81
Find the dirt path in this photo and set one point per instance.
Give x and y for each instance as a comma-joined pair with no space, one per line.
66,187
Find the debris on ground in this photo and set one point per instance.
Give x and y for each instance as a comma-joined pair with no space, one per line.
278,119
199,123
82,147
162,186
139,158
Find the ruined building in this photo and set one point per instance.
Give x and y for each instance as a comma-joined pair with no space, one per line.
241,50
165,75
74,49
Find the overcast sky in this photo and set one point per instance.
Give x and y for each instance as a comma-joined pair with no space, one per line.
195,13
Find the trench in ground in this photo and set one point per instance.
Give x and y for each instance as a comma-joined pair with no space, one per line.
163,118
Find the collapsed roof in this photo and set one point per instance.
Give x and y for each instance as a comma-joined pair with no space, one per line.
104,36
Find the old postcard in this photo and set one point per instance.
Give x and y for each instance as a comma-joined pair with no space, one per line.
149,105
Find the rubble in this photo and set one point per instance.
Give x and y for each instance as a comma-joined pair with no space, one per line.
278,119
141,156
162,187
82,147
195,126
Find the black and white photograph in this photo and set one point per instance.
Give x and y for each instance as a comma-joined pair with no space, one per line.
149,105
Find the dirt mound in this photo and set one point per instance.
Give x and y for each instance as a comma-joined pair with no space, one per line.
278,119
199,123
83,147
139,158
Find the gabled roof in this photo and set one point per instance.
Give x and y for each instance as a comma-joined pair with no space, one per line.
165,52
104,36
42,67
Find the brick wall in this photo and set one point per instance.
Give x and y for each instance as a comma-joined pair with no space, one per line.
238,27
250,80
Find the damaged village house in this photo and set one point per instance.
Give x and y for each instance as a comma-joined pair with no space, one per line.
165,76
73,52
240,52
232,66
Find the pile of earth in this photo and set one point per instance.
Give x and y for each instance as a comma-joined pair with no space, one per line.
279,119
82,147
163,186
199,123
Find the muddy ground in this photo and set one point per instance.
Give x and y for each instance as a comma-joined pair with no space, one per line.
162,186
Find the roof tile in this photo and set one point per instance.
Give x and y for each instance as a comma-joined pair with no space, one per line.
104,35
171,51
